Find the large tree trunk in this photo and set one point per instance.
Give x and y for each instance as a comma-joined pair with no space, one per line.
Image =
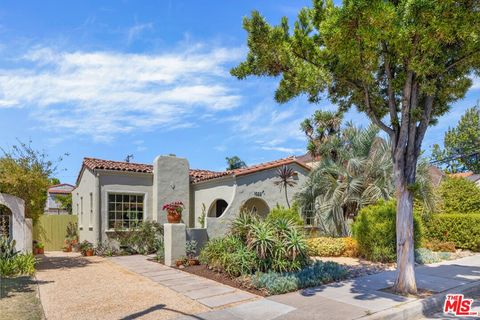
405,175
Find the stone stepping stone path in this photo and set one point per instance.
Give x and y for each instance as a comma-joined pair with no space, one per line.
208,292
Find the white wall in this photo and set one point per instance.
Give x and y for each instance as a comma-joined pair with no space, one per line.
256,185
209,191
81,206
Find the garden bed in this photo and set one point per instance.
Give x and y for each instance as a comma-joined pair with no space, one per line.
205,272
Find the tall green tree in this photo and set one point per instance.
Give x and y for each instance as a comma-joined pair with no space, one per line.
401,62
27,173
235,163
461,150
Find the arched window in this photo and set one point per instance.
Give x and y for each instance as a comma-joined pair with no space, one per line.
217,208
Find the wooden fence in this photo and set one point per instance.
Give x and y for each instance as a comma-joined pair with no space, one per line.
51,230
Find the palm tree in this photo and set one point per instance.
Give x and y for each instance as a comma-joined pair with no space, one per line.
285,176
360,175
235,163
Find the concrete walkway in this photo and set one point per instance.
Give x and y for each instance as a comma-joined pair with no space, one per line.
207,292
352,299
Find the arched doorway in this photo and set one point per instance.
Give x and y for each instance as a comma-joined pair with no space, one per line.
217,208
5,221
20,228
257,206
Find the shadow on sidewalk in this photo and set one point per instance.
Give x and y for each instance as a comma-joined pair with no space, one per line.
156,308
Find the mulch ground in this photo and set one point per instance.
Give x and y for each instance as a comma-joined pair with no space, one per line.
203,271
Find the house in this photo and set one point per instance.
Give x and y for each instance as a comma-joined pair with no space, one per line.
469,175
112,193
53,205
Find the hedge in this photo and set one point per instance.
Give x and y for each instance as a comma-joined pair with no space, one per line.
461,229
459,195
375,231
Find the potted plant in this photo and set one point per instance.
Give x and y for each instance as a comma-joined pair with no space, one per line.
68,246
86,248
174,211
40,248
191,250
181,262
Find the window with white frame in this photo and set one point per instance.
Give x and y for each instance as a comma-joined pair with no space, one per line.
125,210
308,214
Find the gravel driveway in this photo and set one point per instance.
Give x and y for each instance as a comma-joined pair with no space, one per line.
76,287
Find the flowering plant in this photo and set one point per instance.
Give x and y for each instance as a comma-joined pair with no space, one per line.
174,207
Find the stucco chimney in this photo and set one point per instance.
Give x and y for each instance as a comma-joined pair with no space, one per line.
171,182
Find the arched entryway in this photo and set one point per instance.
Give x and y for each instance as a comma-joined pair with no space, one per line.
217,208
20,228
257,206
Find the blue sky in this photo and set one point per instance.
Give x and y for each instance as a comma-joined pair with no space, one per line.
110,78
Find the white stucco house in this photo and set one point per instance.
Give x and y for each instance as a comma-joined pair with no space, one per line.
52,205
109,193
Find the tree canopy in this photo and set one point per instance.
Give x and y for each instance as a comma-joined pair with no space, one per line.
461,151
27,173
234,163
401,62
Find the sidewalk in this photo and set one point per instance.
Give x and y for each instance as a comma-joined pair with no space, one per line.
207,292
352,299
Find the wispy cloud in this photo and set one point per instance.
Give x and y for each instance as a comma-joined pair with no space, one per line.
101,94
273,128
135,31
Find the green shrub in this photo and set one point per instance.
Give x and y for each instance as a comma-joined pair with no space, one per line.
229,254
459,195
375,231
146,238
20,264
461,229
313,275
280,212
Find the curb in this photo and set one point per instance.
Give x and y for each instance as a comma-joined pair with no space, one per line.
418,308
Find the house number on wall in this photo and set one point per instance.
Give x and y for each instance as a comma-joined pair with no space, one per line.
259,193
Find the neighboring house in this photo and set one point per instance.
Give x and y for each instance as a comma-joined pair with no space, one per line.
53,206
112,193
469,175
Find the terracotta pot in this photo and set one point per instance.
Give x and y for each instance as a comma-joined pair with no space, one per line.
35,250
68,249
40,250
74,242
193,262
174,217
178,263
89,252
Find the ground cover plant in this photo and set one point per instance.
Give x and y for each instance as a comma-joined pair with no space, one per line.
146,238
332,247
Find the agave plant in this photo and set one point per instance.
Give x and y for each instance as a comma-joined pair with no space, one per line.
261,239
241,224
7,248
295,244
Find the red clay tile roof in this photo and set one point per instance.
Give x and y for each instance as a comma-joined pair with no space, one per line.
269,165
307,157
196,175
93,163
202,175
57,189
461,174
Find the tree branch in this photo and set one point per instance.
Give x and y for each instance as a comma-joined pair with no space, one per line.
392,103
